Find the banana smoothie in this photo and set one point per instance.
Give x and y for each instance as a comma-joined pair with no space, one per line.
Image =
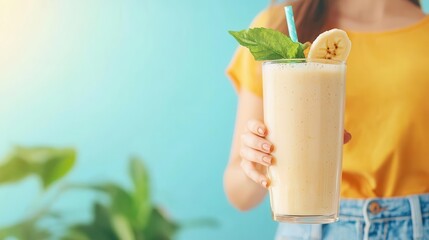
303,96
303,111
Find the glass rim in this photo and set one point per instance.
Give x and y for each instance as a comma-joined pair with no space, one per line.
304,60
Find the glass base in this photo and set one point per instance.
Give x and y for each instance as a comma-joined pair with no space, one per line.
306,219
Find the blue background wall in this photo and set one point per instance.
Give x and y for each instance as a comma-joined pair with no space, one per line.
116,78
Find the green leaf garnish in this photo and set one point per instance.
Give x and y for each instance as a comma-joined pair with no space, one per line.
268,44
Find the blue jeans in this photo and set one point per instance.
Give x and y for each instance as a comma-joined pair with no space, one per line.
374,218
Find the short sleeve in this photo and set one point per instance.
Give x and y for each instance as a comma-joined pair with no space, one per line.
244,71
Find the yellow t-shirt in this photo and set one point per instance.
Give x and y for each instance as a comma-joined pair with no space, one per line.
387,109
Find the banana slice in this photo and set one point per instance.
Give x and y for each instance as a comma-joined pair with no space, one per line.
333,44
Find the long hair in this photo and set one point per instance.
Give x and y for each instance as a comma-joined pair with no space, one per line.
310,18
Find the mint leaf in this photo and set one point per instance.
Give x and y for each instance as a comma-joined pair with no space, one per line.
268,44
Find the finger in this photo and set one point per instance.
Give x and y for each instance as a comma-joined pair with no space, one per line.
257,127
255,156
251,172
347,137
255,142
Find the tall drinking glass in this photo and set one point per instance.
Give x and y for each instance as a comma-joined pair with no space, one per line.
304,112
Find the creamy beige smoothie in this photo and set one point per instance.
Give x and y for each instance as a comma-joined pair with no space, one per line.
303,111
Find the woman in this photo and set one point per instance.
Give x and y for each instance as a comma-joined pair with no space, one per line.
385,183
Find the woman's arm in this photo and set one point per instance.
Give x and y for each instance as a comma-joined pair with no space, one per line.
241,177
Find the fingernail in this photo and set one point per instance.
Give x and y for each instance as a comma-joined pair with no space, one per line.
266,147
266,159
264,183
261,131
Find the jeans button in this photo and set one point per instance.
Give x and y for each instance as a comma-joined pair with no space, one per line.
375,208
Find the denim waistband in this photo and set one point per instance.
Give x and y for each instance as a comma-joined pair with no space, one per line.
382,208
367,214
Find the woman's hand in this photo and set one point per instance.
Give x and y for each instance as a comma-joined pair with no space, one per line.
255,151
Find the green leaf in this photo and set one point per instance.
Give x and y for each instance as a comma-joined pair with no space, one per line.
140,178
49,164
99,228
26,230
268,44
160,227
121,201
122,227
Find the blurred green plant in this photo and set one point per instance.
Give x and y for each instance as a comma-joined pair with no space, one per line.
128,214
